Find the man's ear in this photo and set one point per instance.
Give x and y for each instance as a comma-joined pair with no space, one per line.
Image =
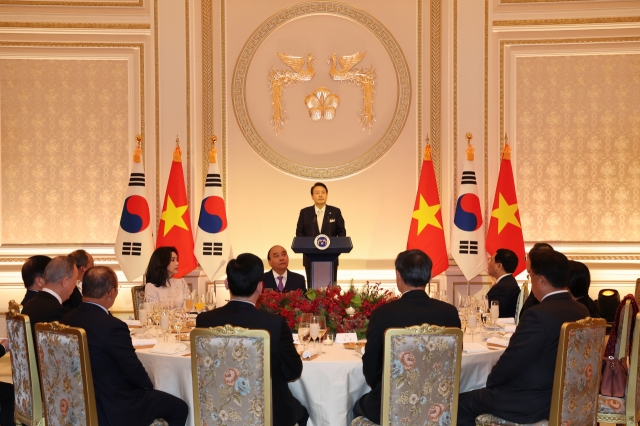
226,284
39,281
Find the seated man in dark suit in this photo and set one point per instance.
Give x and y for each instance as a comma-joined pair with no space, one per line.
505,290
7,395
415,307
286,280
531,300
579,282
60,278
520,384
124,393
320,219
244,281
83,261
33,276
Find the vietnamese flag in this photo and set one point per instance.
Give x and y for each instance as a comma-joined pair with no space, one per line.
505,229
175,222
426,232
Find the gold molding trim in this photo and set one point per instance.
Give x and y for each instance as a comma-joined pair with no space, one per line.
425,329
157,99
188,51
138,3
342,10
74,25
207,83
223,93
455,102
577,21
505,43
435,17
603,257
486,116
539,1
227,330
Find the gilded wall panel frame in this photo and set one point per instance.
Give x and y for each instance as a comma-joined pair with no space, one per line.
342,10
597,42
131,3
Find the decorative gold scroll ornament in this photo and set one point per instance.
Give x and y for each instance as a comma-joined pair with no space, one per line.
322,104
365,78
279,79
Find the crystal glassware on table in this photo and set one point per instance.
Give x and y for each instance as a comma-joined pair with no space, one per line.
303,330
495,314
323,330
177,324
472,321
314,328
188,302
198,303
210,300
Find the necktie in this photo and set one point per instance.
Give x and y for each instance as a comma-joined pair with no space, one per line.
320,219
280,286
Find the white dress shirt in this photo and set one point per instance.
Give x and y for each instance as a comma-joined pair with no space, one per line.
320,215
57,296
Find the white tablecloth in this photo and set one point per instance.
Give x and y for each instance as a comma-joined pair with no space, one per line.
329,386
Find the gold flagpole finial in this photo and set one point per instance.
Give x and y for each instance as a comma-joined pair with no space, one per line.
427,150
470,148
137,153
506,152
177,153
213,151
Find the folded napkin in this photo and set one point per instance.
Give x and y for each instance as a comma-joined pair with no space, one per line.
498,341
132,323
309,353
510,328
506,321
168,348
143,342
474,348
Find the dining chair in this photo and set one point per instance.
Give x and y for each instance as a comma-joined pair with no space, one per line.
636,293
135,290
231,375
24,370
624,331
625,410
576,382
423,364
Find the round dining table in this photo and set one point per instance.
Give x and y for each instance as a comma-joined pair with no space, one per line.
329,386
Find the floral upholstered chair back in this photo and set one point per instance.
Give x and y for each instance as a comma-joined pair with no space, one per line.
624,331
65,375
231,376
577,376
28,398
421,375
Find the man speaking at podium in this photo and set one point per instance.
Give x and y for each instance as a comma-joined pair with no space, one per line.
320,219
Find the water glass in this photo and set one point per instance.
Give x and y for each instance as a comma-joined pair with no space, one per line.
210,300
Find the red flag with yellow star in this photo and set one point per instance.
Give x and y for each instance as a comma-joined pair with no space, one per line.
426,232
175,222
505,229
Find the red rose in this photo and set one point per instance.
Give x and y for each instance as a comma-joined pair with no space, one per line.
407,359
230,376
435,412
64,406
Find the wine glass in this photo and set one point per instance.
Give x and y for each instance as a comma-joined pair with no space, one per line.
210,300
142,317
188,302
495,313
322,331
164,324
303,331
314,328
177,324
472,320
198,303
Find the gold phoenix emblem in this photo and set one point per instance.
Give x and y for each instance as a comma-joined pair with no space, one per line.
322,104
279,79
365,78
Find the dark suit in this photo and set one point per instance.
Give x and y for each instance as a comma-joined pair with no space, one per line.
520,384
529,303
413,308
294,282
43,307
286,365
74,300
594,312
332,226
124,392
30,294
506,292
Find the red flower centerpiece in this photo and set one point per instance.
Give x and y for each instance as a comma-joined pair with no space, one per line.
330,302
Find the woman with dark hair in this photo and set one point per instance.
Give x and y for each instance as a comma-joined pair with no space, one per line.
163,265
579,282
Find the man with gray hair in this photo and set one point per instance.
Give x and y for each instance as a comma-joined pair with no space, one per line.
60,278
83,261
124,392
